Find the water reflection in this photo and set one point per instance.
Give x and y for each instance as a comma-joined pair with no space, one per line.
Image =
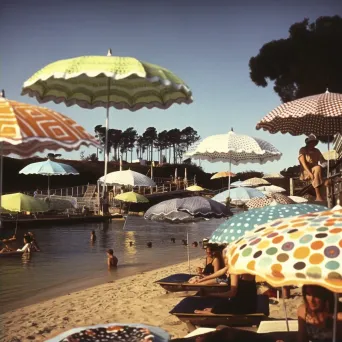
69,261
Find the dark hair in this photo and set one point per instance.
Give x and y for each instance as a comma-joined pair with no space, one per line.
326,296
93,232
28,238
110,251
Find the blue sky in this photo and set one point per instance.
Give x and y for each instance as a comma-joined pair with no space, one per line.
208,44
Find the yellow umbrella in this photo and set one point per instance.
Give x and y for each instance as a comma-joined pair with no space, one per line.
195,188
19,202
223,174
131,197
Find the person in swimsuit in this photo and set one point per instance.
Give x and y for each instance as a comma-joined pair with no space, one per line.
34,244
311,159
112,260
315,315
25,249
240,299
213,263
92,236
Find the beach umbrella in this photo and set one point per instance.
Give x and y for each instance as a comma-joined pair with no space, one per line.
131,197
300,250
27,129
125,332
48,168
320,115
273,176
236,184
196,206
270,198
195,188
107,81
270,188
255,181
234,228
298,199
242,194
187,209
128,178
223,174
19,202
235,149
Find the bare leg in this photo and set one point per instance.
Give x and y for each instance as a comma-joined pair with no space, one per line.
317,181
207,282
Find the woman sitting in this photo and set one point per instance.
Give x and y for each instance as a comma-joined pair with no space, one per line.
25,249
240,299
315,316
219,277
213,263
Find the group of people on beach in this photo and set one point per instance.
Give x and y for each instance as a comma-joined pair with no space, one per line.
315,315
30,244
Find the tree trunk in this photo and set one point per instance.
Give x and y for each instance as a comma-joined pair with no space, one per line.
131,155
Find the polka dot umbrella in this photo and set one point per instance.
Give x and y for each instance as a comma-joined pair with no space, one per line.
271,198
299,250
239,224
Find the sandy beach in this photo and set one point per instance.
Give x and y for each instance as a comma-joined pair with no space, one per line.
134,299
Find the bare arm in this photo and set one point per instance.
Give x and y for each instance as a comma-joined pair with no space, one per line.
302,333
216,264
234,283
303,161
217,274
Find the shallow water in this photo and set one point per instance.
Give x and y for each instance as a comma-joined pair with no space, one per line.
69,262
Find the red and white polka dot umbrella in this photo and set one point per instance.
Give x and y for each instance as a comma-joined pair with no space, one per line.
318,114
299,250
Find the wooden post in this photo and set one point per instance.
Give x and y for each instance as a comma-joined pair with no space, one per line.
67,192
170,186
72,192
163,187
291,187
77,191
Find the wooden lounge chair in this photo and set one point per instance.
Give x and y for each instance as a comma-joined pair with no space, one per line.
184,311
179,282
233,335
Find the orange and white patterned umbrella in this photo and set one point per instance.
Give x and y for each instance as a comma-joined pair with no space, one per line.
27,129
299,250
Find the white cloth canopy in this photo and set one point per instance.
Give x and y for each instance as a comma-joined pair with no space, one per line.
127,177
235,148
271,188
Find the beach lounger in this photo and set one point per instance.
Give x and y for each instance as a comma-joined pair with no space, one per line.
236,335
179,282
184,311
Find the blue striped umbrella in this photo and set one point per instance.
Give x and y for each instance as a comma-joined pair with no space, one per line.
241,194
49,168
239,224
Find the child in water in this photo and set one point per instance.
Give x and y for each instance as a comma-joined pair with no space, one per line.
92,236
112,260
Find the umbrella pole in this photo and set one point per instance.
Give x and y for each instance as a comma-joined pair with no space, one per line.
328,169
188,250
285,311
1,171
230,170
48,186
129,205
106,139
335,317
16,224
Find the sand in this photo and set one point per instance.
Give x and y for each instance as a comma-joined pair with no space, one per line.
134,299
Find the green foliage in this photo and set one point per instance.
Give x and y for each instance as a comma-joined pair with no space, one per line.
305,63
242,176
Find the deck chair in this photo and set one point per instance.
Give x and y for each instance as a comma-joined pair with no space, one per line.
179,282
184,311
233,335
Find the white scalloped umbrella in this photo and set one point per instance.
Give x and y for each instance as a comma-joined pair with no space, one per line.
270,188
127,177
298,199
255,181
235,149
273,176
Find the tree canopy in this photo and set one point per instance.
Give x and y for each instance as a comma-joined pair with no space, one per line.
305,63
174,141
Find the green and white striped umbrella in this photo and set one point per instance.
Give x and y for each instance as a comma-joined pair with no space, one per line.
99,81
239,224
